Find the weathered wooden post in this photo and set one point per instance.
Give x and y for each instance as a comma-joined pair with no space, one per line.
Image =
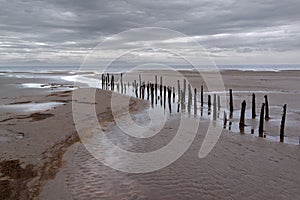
261,121
267,117
169,98
209,101
148,90
219,102
140,88
121,79
161,87
209,104
161,90
152,93
165,90
215,108
124,88
230,102
201,96
242,118
225,120
179,94
103,81
184,89
189,98
282,125
253,106
182,102
118,87
136,90
155,89
106,81
173,94
112,84
195,101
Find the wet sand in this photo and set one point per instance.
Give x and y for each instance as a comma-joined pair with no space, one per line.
42,156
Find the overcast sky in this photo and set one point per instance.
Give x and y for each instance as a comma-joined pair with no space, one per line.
53,32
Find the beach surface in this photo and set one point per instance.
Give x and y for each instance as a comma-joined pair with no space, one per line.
42,156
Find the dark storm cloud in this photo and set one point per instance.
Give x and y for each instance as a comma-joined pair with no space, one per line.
64,31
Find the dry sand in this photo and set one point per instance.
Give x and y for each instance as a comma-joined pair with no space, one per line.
50,162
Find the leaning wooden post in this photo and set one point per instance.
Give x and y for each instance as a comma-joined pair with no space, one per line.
242,118
225,120
230,102
201,96
267,117
215,108
195,101
261,121
253,106
282,124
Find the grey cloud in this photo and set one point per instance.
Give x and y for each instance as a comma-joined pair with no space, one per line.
65,28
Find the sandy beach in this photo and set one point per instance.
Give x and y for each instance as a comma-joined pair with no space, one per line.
42,156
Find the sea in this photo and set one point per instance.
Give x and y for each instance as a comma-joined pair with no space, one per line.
124,68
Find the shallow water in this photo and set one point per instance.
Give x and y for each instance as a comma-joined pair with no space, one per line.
29,107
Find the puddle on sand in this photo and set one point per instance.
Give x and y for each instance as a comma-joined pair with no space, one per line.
29,107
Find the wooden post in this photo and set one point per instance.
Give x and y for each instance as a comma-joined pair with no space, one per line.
215,108
189,98
173,94
261,121
267,117
124,88
155,89
282,125
121,79
112,84
182,102
242,118
148,90
209,101
140,88
184,89
136,90
161,90
103,81
178,83
253,106
219,102
118,87
195,101
201,95
230,102
152,94
169,98
165,90
225,120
